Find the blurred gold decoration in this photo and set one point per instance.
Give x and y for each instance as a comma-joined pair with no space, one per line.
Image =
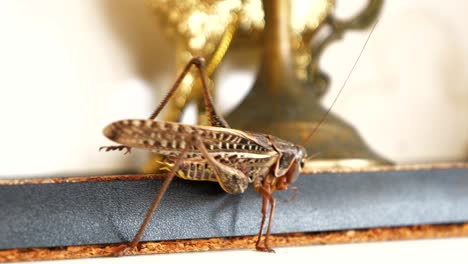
285,98
200,29
307,61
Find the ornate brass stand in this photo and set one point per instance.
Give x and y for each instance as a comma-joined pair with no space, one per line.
279,104
285,98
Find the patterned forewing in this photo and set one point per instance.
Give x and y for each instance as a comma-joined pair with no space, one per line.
152,135
160,136
249,153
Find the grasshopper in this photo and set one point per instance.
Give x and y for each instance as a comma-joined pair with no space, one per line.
217,153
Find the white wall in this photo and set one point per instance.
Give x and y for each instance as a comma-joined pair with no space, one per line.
409,94
67,68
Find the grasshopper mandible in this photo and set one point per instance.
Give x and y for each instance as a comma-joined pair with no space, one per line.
217,153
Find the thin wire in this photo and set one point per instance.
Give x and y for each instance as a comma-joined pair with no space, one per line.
342,87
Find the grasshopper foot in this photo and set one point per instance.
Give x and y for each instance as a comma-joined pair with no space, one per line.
296,192
265,249
123,250
119,148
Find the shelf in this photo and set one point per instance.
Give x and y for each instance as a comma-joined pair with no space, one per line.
103,210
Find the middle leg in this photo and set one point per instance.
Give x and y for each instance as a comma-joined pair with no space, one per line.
267,197
157,199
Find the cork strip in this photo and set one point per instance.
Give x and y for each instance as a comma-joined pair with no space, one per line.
244,242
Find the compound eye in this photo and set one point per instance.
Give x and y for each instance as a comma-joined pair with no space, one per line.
302,163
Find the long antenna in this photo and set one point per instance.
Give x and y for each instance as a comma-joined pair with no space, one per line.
342,87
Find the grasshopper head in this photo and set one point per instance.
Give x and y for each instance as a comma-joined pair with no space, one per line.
290,162
299,161
288,167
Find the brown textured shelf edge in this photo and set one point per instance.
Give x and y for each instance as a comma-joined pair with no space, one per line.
136,177
245,242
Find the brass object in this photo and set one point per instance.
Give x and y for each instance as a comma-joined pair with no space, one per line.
307,66
199,29
281,104
206,28
285,97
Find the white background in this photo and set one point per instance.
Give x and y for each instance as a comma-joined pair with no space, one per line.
67,68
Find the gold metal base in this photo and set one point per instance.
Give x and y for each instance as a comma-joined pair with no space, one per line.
335,143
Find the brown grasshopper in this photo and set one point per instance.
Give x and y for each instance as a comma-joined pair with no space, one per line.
216,153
